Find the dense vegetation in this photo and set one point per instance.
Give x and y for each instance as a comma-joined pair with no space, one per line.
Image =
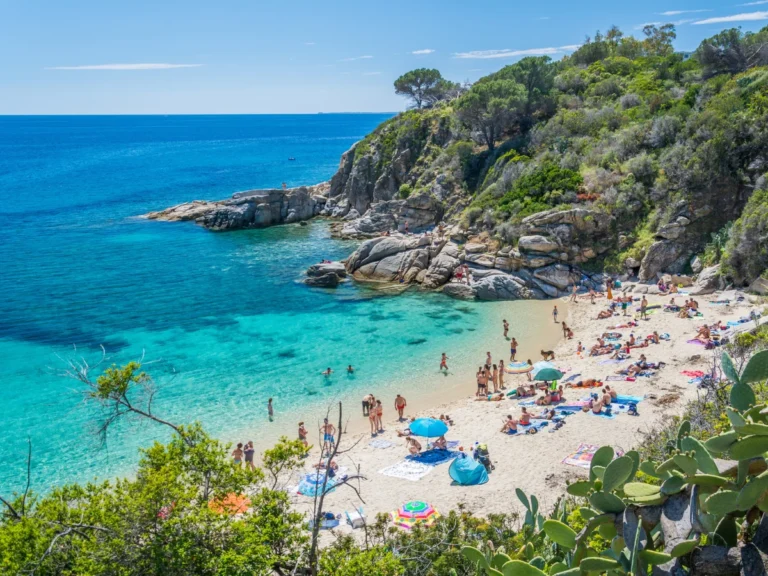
624,126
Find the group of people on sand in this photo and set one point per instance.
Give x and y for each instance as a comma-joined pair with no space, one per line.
597,402
489,376
374,410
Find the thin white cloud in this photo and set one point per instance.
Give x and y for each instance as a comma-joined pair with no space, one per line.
678,12
309,43
507,53
125,67
745,17
371,73
754,3
424,51
355,58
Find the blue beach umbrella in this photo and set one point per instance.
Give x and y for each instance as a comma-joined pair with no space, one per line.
428,427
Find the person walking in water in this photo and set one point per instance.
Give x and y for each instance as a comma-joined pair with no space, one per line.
400,405
506,328
444,362
270,410
512,350
554,313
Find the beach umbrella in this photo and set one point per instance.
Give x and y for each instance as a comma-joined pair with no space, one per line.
428,427
312,484
415,512
230,504
518,368
541,365
548,375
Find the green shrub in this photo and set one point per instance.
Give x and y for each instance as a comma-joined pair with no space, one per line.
405,191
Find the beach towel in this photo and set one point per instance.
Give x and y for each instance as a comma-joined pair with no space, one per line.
572,377
692,373
697,342
583,456
619,378
627,399
612,361
535,424
433,457
646,373
665,336
603,414
381,444
407,470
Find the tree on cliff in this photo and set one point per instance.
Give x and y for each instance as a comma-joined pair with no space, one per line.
425,86
732,52
491,108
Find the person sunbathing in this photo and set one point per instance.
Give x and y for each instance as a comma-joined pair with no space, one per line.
631,340
545,400
446,419
440,444
547,415
704,333
413,445
498,397
604,314
606,399
638,366
653,337
525,418
611,392
510,425
588,383
673,289
596,406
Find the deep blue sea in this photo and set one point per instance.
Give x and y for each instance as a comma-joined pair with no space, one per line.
221,319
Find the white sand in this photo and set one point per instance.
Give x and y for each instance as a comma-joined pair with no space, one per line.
534,462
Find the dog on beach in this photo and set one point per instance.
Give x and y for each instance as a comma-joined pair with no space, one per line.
548,354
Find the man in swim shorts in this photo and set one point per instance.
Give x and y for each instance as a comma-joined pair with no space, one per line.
512,350
329,431
367,402
400,405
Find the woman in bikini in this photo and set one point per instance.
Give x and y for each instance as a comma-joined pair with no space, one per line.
501,375
413,445
237,454
379,414
495,378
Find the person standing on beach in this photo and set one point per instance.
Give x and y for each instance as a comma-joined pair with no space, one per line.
506,328
624,305
237,454
501,374
530,379
367,403
270,410
565,329
488,360
554,313
512,350
573,293
644,308
303,434
329,433
444,362
495,378
400,405
379,416
406,226
479,377
248,451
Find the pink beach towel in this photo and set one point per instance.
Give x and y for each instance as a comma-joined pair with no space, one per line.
583,455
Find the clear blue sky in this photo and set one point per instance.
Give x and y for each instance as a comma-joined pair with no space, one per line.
292,56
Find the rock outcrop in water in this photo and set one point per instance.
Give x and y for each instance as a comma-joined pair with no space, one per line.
250,209
325,274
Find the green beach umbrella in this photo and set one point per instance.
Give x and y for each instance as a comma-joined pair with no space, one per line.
548,374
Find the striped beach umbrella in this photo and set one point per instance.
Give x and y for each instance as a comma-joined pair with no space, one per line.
415,512
518,368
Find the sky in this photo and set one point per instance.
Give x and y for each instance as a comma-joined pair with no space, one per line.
298,56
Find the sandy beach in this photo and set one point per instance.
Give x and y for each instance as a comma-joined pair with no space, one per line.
533,463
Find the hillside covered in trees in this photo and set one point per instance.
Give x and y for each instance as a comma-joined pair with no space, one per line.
663,152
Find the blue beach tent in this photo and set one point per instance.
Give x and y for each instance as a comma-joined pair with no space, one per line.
467,472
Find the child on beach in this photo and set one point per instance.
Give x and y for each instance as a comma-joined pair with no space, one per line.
506,327
554,313
303,434
444,362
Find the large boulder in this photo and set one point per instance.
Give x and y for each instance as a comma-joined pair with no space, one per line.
660,255
537,243
420,211
708,281
558,275
484,260
459,291
324,268
441,267
497,285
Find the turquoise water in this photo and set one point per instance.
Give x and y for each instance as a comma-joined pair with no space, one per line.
222,319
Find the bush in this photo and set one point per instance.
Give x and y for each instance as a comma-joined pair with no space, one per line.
747,248
405,191
664,131
630,101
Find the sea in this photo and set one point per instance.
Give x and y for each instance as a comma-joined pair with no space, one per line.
220,321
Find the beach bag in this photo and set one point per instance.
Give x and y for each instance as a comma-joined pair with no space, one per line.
632,409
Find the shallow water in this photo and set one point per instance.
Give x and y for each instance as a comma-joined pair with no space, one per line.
222,320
